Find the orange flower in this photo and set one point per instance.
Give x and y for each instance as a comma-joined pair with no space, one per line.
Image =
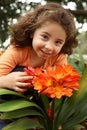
56,81
49,113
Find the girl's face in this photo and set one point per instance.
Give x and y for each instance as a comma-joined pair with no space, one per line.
48,40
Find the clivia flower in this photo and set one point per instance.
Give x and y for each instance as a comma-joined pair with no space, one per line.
30,71
56,81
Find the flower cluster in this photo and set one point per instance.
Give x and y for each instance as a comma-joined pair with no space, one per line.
55,81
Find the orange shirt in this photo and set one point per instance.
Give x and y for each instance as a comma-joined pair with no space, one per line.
13,57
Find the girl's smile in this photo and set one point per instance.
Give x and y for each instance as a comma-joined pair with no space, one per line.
48,40
45,54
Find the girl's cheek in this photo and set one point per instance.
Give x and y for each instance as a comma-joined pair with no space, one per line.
57,51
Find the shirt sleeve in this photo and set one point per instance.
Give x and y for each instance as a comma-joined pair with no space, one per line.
9,59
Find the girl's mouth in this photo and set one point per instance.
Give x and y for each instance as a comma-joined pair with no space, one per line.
45,54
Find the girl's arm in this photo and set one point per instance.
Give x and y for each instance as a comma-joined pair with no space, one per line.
13,80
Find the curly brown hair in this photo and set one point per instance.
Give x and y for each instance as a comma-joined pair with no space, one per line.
22,30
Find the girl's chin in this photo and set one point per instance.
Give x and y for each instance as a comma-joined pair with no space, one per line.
44,56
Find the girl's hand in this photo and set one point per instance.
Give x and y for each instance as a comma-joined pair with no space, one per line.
16,81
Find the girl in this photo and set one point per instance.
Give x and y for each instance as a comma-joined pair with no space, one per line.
40,38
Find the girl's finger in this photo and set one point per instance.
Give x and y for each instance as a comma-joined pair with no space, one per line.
22,84
20,90
25,78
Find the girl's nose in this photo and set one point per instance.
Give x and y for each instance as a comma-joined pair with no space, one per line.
49,47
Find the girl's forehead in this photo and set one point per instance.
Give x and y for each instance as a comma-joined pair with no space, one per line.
52,26
51,22
53,29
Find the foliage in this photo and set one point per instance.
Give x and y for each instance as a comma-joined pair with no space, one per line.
66,113
79,5
10,10
77,60
82,38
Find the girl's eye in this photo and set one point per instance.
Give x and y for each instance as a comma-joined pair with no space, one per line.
58,43
45,37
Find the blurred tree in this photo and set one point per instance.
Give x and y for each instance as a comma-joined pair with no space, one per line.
11,9
80,11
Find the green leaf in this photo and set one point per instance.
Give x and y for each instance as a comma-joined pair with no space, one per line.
83,84
45,101
20,113
23,124
10,92
57,104
16,104
77,61
76,118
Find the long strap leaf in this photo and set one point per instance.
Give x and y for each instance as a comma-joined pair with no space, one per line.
16,104
23,124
